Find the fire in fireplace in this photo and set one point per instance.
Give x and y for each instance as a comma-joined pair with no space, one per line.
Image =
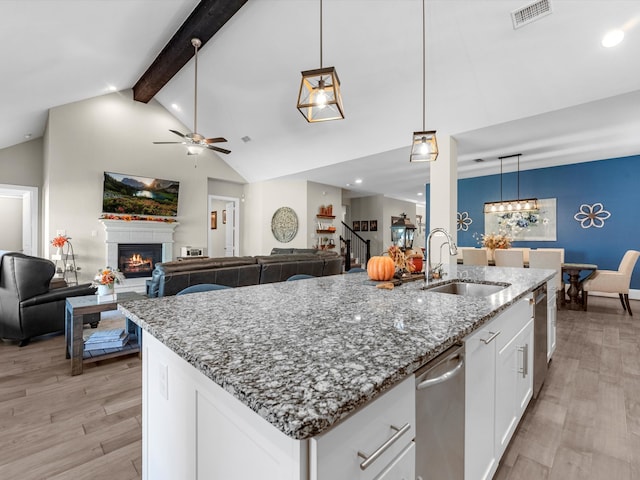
138,259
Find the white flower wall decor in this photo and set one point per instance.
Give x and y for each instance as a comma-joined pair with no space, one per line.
592,215
464,220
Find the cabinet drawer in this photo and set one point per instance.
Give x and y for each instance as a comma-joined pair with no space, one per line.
334,454
513,320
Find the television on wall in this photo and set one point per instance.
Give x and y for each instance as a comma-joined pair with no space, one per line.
135,195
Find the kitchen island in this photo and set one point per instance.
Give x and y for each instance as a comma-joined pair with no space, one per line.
278,366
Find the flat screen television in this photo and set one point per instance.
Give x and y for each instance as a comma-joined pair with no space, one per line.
134,195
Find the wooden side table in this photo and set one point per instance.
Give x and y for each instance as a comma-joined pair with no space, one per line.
87,309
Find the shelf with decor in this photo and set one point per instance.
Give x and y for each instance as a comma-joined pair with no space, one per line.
326,231
328,217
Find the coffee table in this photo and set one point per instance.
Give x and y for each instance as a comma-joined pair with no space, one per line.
87,309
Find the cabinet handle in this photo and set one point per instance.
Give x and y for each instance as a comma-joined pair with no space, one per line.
491,338
525,360
368,460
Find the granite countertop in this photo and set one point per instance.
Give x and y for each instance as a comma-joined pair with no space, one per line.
305,354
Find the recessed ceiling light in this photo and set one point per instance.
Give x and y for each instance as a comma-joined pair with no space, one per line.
612,38
112,88
176,107
358,180
348,184
419,194
27,136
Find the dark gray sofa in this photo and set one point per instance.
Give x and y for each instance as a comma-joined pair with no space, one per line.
169,278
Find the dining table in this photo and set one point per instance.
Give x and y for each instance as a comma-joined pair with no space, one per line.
576,279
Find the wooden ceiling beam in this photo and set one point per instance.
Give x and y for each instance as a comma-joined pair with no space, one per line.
204,22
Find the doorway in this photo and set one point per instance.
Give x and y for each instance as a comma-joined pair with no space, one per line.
224,226
12,197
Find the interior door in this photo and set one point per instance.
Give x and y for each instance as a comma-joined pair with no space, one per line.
230,230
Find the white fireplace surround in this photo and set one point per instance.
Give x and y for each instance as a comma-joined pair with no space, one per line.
137,231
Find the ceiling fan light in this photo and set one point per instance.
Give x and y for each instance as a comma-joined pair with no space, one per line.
319,98
424,147
194,149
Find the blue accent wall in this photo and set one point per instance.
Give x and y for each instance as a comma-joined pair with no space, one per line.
615,183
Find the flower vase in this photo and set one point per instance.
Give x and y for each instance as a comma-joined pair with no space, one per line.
491,257
57,255
104,290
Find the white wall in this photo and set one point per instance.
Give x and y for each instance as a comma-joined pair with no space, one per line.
115,133
262,199
11,231
218,235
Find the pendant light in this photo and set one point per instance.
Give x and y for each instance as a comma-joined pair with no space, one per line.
424,147
319,98
517,205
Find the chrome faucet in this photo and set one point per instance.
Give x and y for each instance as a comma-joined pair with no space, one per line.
453,250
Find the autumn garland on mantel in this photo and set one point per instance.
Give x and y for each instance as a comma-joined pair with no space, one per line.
130,218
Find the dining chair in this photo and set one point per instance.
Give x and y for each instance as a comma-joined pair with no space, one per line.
613,281
475,256
509,258
202,287
550,258
299,276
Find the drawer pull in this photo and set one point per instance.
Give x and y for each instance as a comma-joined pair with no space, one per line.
368,460
491,338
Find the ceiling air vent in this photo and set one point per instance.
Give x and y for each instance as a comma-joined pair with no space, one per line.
530,13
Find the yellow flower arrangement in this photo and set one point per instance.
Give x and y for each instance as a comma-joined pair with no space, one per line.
108,276
496,241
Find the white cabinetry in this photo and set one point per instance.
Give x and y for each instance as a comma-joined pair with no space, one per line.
341,452
193,429
499,385
552,312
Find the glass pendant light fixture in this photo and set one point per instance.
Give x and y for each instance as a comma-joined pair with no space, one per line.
424,147
517,205
319,98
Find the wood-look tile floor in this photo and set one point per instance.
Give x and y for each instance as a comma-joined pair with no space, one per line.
584,425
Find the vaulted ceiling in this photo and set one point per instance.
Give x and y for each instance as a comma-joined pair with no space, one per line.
548,90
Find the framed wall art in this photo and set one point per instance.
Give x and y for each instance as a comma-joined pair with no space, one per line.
356,225
214,220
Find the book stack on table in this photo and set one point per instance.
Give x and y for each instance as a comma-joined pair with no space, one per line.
105,339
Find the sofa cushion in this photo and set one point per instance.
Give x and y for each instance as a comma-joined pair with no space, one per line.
205,264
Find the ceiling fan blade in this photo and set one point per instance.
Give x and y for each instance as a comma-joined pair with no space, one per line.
215,140
168,143
218,149
177,133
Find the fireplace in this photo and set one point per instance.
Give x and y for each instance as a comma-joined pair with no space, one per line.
138,259
141,233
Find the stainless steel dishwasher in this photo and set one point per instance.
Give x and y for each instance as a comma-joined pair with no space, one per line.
440,417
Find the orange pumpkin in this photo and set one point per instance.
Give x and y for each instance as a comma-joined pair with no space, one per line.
381,268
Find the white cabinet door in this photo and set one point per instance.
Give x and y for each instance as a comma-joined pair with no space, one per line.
514,384
552,311
480,461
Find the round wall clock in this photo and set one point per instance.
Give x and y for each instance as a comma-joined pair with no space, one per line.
284,224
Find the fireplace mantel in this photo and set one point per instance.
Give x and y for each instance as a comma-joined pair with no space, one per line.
137,231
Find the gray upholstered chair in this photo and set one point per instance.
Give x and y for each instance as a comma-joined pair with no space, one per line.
613,281
29,307
299,276
202,287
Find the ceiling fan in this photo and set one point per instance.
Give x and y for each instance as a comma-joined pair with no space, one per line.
195,142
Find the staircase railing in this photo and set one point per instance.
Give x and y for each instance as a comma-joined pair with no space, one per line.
354,247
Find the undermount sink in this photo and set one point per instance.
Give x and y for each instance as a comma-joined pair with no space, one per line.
470,289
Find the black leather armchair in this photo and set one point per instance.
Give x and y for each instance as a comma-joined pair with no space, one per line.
28,306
